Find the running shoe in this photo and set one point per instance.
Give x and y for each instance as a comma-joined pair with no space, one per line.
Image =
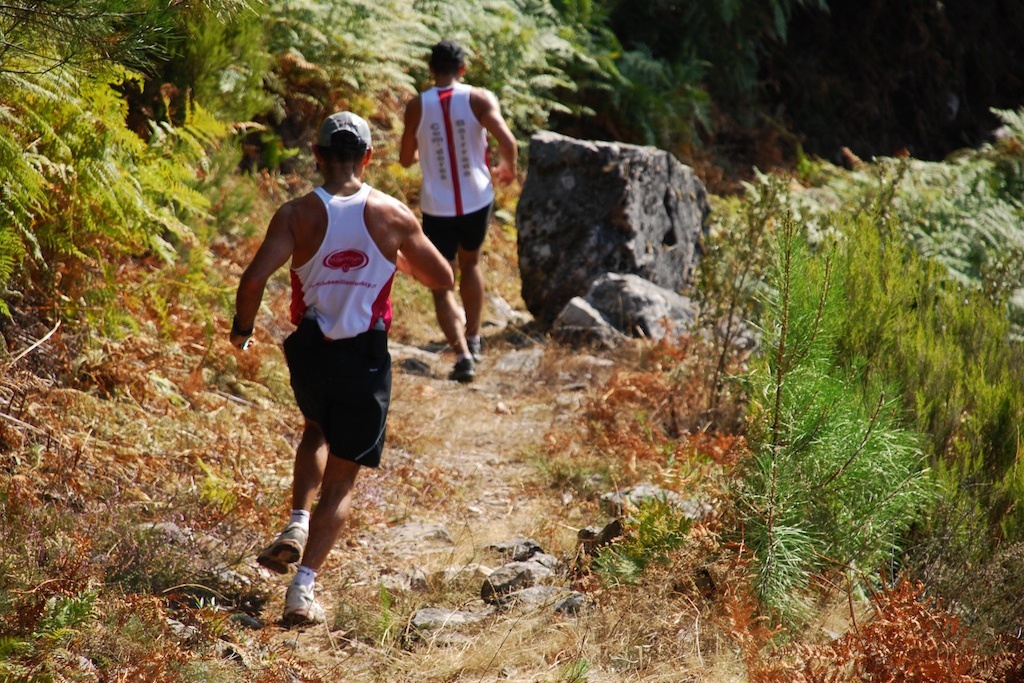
464,371
301,608
476,348
285,551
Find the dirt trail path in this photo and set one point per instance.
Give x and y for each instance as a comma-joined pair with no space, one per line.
460,473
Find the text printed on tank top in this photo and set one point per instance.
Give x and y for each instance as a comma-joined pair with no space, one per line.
453,149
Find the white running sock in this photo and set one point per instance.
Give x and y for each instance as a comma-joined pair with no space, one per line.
300,517
304,576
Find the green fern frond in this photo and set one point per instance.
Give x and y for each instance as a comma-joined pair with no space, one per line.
12,248
78,185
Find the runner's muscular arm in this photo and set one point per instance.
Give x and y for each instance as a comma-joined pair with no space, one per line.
420,258
274,252
408,155
488,113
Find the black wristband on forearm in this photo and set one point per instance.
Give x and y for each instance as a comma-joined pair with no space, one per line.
239,332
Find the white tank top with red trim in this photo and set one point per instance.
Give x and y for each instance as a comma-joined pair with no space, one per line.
346,286
450,137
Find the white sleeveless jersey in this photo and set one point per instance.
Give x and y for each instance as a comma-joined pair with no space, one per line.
453,154
346,286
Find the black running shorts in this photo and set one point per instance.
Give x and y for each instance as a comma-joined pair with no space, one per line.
448,233
344,386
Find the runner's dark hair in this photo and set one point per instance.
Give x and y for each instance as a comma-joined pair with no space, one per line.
447,57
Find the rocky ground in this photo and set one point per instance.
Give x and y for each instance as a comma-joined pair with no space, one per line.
463,487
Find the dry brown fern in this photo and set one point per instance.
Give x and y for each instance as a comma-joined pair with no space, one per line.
911,638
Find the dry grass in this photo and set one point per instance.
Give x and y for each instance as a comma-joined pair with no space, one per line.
101,439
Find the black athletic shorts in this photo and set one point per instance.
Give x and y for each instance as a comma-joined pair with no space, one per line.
448,233
344,386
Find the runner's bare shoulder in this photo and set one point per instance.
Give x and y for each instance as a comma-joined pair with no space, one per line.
388,221
481,101
382,206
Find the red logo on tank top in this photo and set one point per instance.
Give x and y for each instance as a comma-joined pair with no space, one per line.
346,260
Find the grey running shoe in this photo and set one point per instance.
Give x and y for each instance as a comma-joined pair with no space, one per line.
285,551
464,371
476,348
301,608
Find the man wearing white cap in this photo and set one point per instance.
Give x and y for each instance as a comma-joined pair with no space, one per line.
345,241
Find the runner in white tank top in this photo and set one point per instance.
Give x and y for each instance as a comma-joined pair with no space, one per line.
446,130
346,285
453,153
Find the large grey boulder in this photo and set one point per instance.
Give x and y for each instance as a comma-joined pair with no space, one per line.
589,208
